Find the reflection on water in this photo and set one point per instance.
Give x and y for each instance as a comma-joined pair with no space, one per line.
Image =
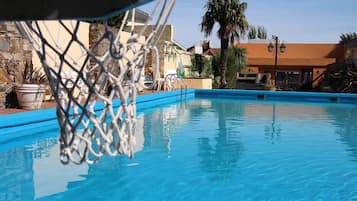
34,171
159,125
187,147
273,131
16,175
50,176
219,156
345,121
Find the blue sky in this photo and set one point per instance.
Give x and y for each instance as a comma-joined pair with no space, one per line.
303,21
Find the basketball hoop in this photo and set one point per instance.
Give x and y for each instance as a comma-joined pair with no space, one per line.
93,121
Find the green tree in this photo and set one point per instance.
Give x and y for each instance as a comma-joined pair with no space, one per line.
230,15
341,78
206,65
347,37
258,32
262,32
252,34
236,61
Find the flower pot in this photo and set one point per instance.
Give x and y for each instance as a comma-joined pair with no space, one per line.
30,96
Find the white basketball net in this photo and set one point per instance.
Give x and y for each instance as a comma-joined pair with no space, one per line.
94,122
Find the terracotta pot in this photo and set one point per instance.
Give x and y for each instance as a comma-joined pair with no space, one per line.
30,96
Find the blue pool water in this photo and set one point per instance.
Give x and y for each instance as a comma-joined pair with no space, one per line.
204,149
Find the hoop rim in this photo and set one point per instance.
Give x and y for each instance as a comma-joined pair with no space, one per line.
18,10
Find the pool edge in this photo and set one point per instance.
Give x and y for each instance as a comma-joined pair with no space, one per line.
17,122
12,122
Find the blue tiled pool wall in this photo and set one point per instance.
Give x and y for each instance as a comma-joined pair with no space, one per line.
19,124
278,96
152,100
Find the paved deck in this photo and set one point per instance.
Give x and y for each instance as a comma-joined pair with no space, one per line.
50,104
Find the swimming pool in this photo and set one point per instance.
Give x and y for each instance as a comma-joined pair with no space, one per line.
200,146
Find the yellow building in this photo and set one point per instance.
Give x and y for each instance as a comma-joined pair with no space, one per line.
172,55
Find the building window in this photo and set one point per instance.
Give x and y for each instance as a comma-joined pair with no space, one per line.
288,79
307,77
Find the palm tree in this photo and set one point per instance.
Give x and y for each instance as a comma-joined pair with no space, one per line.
347,37
230,15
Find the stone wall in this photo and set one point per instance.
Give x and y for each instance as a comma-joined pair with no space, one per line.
2,100
167,36
96,32
15,51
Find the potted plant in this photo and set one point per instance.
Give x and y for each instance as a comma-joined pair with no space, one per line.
31,91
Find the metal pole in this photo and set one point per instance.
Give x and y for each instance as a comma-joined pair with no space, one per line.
276,59
273,123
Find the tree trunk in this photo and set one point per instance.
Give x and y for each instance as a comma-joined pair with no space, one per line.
223,64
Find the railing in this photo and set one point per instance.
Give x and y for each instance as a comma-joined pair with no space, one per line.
173,82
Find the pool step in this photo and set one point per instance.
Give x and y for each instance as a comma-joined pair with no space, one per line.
261,96
334,99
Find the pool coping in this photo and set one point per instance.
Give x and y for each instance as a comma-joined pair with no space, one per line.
12,122
280,95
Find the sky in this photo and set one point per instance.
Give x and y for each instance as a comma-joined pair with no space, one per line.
303,21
